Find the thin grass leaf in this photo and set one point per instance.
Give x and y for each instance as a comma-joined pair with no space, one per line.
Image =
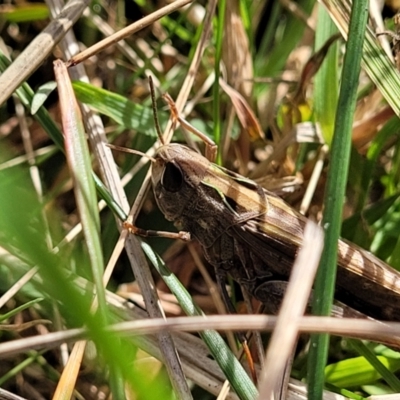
123,111
77,152
25,13
382,365
387,232
231,367
217,66
271,63
326,87
41,96
376,62
336,185
19,368
18,309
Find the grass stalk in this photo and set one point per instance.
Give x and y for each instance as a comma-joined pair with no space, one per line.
334,197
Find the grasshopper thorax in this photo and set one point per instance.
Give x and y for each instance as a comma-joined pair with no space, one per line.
175,174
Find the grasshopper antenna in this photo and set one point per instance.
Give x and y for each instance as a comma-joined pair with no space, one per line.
211,148
131,151
155,113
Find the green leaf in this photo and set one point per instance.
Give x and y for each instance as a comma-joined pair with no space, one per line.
357,371
17,310
358,227
327,78
119,108
377,389
25,13
41,96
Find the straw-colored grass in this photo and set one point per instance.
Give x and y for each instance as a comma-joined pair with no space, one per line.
91,311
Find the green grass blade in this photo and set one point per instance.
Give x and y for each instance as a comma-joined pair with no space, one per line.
275,60
231,367
384,367
217,67
326,84
375,60
336,185
17,310
119,108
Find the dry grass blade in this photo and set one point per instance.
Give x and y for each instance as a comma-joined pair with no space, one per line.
66,384
17,286
194,66
293,307
129,30
6,395
245,114
388,333
124,47
30,59
375,58
305,203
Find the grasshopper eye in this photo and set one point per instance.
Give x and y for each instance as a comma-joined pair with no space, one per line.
172,178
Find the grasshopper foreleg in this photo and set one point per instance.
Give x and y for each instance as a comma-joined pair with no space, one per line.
150,233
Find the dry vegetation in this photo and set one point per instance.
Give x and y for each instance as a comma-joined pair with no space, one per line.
271,112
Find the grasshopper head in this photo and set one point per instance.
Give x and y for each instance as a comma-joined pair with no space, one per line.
176,175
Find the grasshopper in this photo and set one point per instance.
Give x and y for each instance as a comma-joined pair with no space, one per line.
252,235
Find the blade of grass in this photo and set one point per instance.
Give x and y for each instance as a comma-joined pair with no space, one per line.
127,31
375,60
119,108
78,157
293,306
231,367
77,152
390,378
272,63
217,67
17,310
336,185
326,86
40,47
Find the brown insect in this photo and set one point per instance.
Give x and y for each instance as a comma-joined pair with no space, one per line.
252,235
